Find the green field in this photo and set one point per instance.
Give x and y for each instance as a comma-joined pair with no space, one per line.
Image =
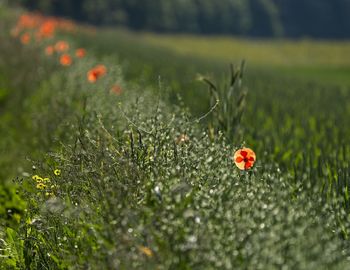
258,52
306,58
129,194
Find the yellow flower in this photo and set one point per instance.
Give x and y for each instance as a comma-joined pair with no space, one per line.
147,251
57,172
41,186
37,178
46,179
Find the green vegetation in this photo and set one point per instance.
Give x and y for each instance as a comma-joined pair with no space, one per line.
305,59
131,194
258,52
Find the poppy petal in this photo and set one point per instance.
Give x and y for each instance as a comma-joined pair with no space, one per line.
239,159
244,153
248,165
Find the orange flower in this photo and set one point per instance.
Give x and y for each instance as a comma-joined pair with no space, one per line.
49,50
61,46
66,60
25,38
80,53
94,74
116,89
28,21
47,29
244,158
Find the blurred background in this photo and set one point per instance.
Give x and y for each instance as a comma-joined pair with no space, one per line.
320,19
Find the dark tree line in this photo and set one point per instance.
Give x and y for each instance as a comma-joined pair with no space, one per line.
260,18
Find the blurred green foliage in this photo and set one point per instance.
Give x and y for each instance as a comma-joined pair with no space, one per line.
263,18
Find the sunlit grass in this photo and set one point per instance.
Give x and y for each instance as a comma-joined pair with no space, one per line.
307,60
258,52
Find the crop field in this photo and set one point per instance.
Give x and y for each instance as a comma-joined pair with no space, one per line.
122,150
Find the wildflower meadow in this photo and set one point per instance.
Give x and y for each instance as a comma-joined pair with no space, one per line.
126,152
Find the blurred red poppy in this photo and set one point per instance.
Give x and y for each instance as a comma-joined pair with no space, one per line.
49,50
66,60
94,74
80,53
61,46
25,38
47,29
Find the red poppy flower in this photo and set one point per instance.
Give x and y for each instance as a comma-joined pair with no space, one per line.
25,38
28,21
244,158
80,53
49,50
66,60
61,46
47,29
94,74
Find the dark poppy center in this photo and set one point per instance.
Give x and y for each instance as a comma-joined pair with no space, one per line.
246,159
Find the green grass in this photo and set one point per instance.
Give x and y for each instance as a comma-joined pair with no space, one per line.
258,52
126,183
316,60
